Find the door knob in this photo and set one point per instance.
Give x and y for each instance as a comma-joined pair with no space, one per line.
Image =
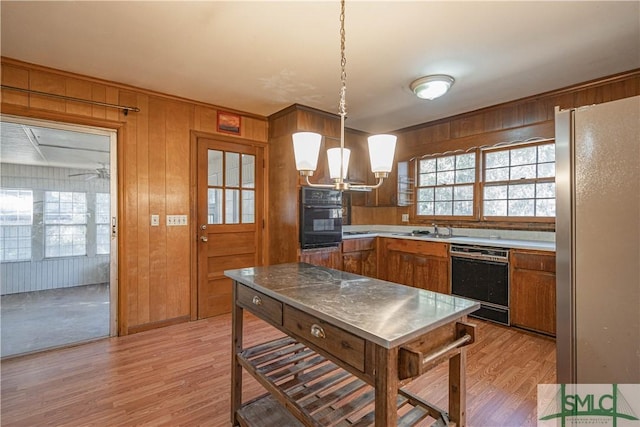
204,238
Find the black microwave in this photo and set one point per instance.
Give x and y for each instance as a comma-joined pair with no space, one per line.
320,217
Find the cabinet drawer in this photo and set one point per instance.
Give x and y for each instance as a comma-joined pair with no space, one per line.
355,245
533,261
335,341
436,249
260,304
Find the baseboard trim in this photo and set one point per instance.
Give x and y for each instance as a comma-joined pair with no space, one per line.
156,325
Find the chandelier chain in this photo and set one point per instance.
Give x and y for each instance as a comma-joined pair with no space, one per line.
343,64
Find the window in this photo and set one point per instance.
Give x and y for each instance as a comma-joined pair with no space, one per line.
65,218
16,218
231,180
520,182
446,185
103,215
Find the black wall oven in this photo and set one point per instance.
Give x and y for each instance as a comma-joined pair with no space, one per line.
320,217
482,274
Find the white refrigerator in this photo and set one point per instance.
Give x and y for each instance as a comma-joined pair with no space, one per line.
598,243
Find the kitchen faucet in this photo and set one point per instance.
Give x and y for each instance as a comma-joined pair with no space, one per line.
435,229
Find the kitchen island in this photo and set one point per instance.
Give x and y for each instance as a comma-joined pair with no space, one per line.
352,343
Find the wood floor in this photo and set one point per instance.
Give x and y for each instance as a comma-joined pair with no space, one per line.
180,376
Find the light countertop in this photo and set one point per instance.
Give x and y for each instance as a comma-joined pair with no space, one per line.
509,243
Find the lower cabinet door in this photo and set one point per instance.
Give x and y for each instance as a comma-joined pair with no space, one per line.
533,300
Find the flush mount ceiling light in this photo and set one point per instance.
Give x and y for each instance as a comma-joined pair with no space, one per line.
306,145
432,87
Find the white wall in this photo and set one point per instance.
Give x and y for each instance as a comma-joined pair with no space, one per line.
41,273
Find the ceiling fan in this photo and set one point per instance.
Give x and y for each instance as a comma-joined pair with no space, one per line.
101,173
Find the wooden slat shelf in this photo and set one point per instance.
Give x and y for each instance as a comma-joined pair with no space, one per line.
307,386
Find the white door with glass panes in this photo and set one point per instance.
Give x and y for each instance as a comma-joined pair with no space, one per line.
230,193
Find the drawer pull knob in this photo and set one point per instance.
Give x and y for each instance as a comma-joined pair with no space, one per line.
317,331
257,300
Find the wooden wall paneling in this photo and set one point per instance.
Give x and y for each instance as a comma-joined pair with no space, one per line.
311,120
50,83
113,97
534,111
16,77
109,95
283,202
82,89
542,129
282,123
157,160
254,129
471,124
130,254
140,184
178,123
283,197
510,116
391,215
98,93
204,119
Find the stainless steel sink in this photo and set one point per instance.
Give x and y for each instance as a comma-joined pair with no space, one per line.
356,233
425,235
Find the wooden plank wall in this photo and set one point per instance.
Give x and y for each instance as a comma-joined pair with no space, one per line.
517,120
154,177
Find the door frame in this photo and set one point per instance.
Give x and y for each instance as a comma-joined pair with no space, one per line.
193,197
114,130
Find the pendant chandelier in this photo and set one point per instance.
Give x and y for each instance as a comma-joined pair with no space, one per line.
306,145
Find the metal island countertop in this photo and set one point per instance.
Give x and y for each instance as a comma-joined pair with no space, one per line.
385,313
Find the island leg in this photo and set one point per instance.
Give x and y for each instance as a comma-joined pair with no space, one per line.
386,387
458,389
236,347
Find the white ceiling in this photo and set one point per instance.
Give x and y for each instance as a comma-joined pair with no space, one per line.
23,143
262,56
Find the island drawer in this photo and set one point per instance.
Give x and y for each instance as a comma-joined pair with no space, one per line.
337,342
259,304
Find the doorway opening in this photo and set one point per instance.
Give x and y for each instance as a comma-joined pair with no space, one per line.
58,242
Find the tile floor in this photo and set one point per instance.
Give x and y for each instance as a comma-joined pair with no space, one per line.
33,321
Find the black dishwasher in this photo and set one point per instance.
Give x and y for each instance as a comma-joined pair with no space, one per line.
482,274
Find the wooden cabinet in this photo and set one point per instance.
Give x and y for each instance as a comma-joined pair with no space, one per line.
387,194
421,264
533,290
359,256
324,257
432,273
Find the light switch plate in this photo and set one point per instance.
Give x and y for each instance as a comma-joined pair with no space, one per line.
405,217
174,220
155,220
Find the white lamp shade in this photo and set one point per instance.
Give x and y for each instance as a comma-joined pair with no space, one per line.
333,155
306,147
381,151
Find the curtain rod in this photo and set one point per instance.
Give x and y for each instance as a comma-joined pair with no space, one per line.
124,108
